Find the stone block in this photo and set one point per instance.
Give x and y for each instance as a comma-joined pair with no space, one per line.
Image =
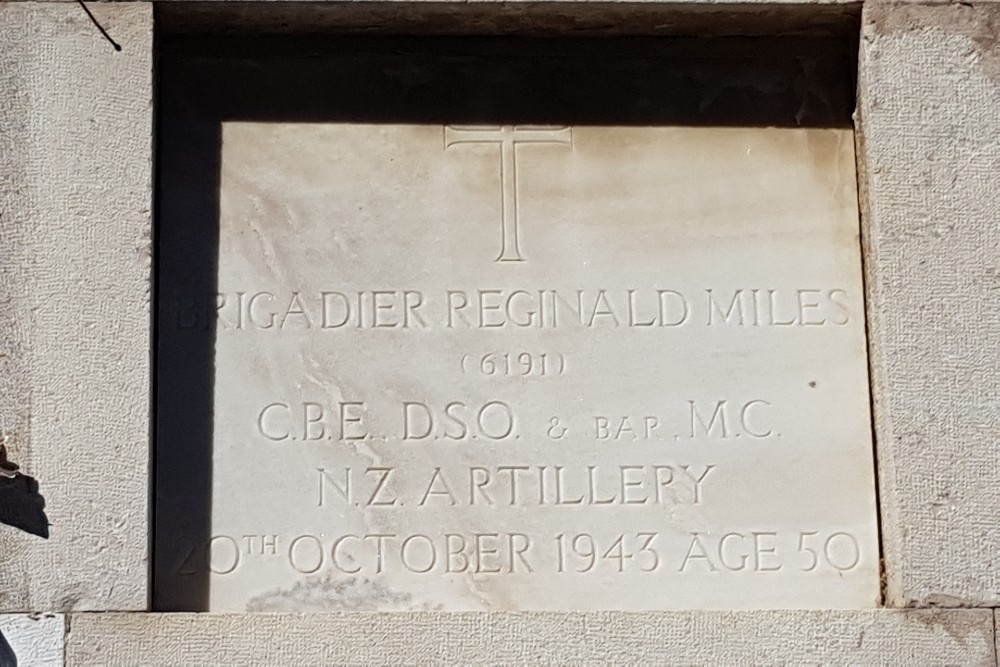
793,637
930,155
75,186
32,640
996,634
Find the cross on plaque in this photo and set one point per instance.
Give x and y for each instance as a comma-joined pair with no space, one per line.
507,137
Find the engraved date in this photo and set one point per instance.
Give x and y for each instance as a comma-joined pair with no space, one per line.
581,552
735,553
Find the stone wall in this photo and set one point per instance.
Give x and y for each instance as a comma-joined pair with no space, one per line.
75,201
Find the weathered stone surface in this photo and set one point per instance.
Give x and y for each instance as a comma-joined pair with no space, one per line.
845,637
33,640
75,147
996,634
930,120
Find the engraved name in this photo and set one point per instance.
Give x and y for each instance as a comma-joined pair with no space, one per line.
499,309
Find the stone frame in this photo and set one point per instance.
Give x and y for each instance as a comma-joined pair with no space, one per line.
75,200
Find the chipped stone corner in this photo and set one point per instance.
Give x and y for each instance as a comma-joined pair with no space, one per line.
960,627
978,21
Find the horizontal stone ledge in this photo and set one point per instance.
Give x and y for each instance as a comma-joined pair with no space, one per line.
846,637
520,17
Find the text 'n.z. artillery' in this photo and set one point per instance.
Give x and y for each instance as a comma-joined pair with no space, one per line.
507,137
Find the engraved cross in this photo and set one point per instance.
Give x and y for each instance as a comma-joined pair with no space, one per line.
507,137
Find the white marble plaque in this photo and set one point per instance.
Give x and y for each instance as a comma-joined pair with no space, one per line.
524,367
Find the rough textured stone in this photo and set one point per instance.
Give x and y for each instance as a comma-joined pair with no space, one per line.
792,637
996,634
34,640
75,148
930,119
